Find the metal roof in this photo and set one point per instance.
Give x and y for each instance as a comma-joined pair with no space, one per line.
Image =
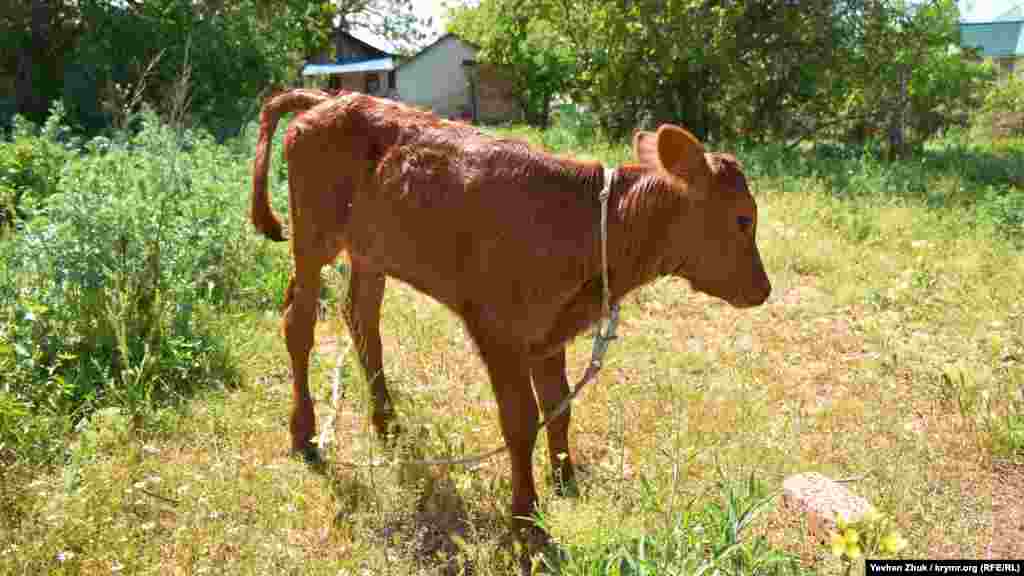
995,39
438,42
371,65
371,41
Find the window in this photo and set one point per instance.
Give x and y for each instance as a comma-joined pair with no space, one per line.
372,83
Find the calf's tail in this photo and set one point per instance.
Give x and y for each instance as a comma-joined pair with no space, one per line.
262,215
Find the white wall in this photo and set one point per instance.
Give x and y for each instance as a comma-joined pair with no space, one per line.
436,79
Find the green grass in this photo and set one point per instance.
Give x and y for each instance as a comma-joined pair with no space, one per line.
891,350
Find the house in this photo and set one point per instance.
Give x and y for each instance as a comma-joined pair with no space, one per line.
444,77
1001,41
357,65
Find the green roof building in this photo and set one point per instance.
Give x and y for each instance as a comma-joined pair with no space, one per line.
1001,40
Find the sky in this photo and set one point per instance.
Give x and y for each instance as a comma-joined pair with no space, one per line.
435,9
972,10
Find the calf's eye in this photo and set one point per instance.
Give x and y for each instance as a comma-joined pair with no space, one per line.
744,221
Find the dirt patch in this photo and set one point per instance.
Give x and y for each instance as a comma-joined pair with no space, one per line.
1007,482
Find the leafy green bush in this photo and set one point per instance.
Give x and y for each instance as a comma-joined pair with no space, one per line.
956,171
1002,113
571,129
106,295
30,165
1004,209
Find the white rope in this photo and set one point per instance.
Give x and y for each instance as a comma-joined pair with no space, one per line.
606,192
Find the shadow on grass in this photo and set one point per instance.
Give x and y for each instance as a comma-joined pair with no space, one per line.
439,530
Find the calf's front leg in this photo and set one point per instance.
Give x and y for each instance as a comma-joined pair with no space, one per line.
517,413
362,315
552,387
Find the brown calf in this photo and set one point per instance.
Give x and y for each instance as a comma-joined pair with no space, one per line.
506,236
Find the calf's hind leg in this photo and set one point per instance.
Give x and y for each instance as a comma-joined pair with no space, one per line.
301,302
362,315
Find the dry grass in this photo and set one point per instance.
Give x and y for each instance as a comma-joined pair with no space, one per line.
894,358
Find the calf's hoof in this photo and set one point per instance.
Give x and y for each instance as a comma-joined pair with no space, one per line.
303,445
387,428
526,542
310,454
303,427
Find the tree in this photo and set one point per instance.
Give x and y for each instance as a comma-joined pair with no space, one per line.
104,57
130,53
517,36
27,100
34,36
394,20
900,72
775,69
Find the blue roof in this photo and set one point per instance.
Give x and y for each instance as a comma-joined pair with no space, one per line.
996,39
370,65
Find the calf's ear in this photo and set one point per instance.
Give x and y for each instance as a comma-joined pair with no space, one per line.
681,155
645,148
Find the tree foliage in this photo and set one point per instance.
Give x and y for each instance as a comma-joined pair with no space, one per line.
518,36
35,36
394,20
761,68
135,53
106,58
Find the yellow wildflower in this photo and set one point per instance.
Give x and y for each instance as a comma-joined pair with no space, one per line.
892,543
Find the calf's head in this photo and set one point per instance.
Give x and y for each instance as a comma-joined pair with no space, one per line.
711,239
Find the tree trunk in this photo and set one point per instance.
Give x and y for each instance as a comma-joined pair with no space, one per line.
897,146
29,101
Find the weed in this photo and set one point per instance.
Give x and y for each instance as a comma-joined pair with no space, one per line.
110,287
695,540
